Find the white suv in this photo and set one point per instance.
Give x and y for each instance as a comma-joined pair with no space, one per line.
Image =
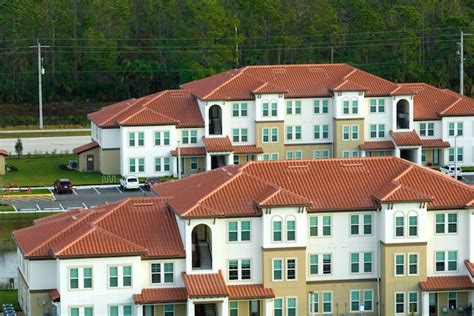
449,170
129,183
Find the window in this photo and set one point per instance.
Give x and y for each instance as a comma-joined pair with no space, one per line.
326,225
361,262
377,105
162,273
168,310
274,108
136,139
239,135
430,129
291,229
80,278
120,276
293,132
234,308
452,300
377,130
193,163
446,223
313,265
327,263
399,303
291,306
293,110
355,106
412,225
460,153
446,261
266,131
354,262
291,269
189,136
120,310
277,265
314,227
163,164
236,160
455,128
318,154
79,311
361,224
373,105
272,156
355,301
313,303
413,302
355,132
274,135
346,132
426,129
320,106
399,226
412,264
162,138
239,269
239,109
321,131
137,164
399,264
277,229
278,307
238,231
294,155
265,135
345,106
265,108
327,302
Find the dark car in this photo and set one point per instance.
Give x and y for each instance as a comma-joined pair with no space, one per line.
149,182
63,186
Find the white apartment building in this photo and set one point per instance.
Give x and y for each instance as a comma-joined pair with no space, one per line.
379,235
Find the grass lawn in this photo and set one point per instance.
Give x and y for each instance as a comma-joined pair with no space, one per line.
43,171
24,192
44,134
6,208
11,222
9,297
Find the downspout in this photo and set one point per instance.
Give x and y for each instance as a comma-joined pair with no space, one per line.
377,240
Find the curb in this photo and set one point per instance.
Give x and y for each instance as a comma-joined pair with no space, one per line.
27,196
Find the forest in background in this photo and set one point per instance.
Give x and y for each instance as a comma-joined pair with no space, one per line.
109,50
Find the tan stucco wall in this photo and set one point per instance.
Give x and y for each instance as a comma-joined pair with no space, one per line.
308,149
110,161
429,156
187,165
82,159
391,283
462,300
37,307
270,147
243,158
377,153
2,165
179,309
339,143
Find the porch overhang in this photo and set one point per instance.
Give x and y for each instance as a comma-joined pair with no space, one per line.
208,285
447,283
434,143
406,139
249,291
161,296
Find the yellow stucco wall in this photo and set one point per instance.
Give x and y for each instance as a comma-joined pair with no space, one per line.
2,165
339,144
110,161
82,159
278,147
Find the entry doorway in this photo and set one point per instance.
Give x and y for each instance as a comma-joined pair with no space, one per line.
254,308
90,162
217,162
409,154
433,303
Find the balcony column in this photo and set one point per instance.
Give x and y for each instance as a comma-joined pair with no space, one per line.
190,308
223,308
230,158
208,162
268,307
397,152
425,298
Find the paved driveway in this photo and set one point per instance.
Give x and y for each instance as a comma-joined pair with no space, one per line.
43,144
82,197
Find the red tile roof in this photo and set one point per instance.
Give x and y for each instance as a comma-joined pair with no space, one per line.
127,227
447,283
247,149
328,184
189,151
249,291
3,152
162,295
470,267
348,85
169,107
377,145
218,144
54,295
205,285
409,138
434,143
93,144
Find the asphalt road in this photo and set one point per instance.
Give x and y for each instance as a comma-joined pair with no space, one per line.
81,198
43,144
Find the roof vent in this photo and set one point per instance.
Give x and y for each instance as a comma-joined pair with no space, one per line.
177,95
316,69
348,165
296,167
143,204
278,70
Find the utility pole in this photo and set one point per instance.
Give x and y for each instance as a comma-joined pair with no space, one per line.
461,65
40,74
236,47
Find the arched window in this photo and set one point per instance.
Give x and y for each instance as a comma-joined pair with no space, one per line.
290,228
202,245
403,114
215,120
412,224
277,228
399,219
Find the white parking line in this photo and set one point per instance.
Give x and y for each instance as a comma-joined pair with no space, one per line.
14,207
28,209
84,204
37,206
121,192
141,189
74,191
61,206
96,190
51,209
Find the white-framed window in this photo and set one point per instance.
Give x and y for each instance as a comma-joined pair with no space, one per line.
452,300
136,139
136,165
320,225
294,155
239,269
168,310
193,163
399,265
321,154
120,276
412,224
163,164
321,106
361,262
313,303
426,129
346,132
290,269
361,224
265,108
274,110
290,228
239,109
189,136
233,308
377,105
162,273
321,131
270,156
162,138
236,159
320,264
327,302
455,128
277,269
457,153
80,278
399,224
355,132
277,229
446,223
239,135
355,106
291,306
413,302
270,134
446,261
293,132
278,307
377,130
81,311
350,154
399,303
293,107
120,310
413,262
359,297
345,106
238,231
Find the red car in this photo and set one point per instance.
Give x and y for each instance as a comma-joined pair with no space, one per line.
63,186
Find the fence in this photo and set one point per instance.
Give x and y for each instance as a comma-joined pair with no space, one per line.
8,283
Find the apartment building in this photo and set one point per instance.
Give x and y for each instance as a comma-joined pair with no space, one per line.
279,112
378,236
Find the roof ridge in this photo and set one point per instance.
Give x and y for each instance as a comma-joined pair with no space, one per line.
397,187
354,69
128,106
451,105
442,175
398,177
158,95
239,73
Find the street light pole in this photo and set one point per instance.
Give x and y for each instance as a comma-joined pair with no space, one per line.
461,65
40,74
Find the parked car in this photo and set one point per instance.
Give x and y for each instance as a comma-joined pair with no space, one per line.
129,183
149,182
63,186
449,170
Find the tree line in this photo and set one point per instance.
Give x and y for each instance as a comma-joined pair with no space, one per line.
108,50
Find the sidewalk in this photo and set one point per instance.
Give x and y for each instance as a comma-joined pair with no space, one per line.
45,130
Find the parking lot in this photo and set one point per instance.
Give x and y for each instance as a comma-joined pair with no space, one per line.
87,197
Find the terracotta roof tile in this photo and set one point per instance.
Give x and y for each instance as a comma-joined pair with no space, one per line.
93,144
189,151
247,149
377,145
123,228
284,198
54,295
269,88
205,285
409,138
447,283
348,85
329,184
218,144
470,267
434,143
162,295
3,152
249,291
